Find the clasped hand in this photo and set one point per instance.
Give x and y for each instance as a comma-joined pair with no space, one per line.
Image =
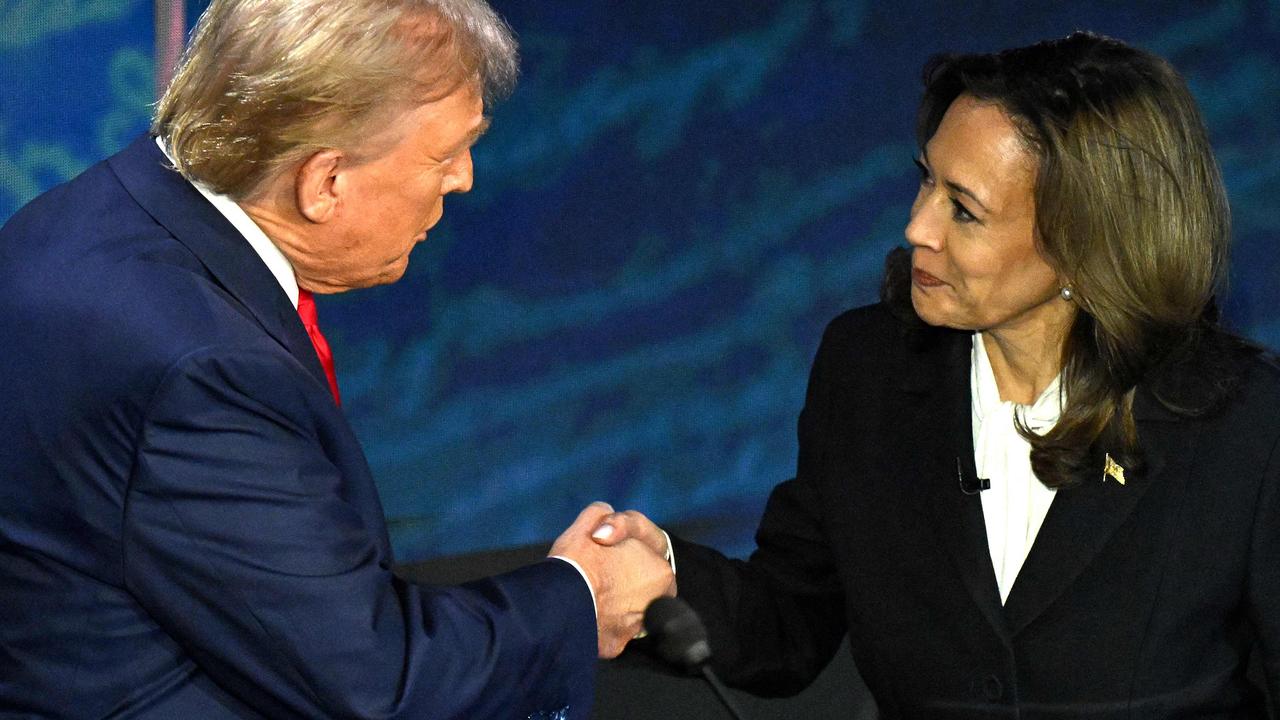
624,558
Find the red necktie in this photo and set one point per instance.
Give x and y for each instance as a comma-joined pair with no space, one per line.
307,311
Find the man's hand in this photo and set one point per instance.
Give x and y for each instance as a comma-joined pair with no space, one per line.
615,527
626,576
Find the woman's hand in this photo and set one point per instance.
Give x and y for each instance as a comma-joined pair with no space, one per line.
618,526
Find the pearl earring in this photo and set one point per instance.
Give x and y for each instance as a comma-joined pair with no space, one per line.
1067,294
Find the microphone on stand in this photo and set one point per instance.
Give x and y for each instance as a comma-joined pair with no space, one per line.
680,638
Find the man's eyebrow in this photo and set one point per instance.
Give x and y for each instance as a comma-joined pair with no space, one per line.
957,187
481,129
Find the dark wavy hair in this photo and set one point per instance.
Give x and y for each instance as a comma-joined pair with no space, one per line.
1130,208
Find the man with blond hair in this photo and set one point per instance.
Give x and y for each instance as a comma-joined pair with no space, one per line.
188,528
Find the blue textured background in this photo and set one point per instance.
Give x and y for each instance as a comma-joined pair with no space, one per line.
674,203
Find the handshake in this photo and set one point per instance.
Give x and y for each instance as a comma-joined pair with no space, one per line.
624,556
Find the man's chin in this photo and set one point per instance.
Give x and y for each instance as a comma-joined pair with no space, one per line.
391,273
385,275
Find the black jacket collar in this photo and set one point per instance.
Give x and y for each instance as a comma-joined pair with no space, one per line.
1081,520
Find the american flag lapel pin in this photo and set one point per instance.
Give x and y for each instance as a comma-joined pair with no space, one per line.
1112,470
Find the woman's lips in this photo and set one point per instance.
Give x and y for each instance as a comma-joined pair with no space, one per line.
924,279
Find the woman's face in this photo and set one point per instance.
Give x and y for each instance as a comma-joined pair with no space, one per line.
974,263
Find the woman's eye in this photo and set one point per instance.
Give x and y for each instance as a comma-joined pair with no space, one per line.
960,213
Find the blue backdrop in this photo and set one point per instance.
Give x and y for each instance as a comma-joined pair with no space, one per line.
674,203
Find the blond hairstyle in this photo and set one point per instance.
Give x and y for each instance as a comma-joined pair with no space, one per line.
265,84
1130,210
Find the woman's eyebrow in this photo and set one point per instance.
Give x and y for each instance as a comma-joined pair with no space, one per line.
955,186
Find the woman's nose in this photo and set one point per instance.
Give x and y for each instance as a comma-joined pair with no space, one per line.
924,230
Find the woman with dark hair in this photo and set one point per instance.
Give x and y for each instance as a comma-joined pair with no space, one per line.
1037,480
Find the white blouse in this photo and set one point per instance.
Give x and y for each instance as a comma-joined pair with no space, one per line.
1015,505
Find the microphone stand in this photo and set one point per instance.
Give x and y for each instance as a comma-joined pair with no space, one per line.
682,641
721,691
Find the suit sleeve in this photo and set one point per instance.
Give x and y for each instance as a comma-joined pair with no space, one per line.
253,552
1264,574
775,621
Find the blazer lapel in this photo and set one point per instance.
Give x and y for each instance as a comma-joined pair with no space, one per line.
182,210
1082,519
943,416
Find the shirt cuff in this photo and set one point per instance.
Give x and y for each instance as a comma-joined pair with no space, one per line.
669,556
583,573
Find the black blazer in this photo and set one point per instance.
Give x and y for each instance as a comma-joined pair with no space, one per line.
1140,600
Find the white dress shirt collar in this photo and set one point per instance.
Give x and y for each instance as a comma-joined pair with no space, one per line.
1039,416
271,256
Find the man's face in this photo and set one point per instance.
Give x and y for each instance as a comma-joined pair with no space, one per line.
386,205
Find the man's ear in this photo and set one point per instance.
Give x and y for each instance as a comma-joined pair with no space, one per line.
317,186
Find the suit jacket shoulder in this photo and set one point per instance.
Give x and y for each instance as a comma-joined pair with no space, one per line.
188,527
1137,599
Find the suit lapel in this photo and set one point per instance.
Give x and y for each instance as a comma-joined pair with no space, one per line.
179,207
942,415
1080,521
1083,519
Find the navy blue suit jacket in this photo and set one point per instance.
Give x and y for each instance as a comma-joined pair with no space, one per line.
188,527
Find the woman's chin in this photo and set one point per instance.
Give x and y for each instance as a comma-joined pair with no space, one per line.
926,307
